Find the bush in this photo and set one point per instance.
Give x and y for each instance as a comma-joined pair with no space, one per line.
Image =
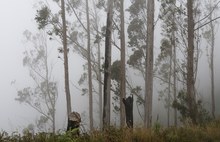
181,104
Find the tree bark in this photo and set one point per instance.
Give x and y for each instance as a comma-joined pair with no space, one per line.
212,73
190,62
123,73
212,69
169,89
149,65
89,68
107,67
99,73
100,87
173,43
212,44
65,54
174,75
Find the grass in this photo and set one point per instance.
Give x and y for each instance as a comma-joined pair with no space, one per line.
205,133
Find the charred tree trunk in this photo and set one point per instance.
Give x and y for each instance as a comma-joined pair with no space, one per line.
128,102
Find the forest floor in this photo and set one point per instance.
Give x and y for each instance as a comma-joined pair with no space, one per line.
187,133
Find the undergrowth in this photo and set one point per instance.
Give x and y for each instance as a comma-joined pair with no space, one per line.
205,133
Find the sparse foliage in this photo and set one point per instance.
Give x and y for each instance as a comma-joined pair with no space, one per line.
43,94
181,104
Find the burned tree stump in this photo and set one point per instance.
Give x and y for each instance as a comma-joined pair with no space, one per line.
74,120
128,102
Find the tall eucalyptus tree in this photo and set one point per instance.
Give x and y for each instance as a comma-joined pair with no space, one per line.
149,65
123,73
190,62
107,67
166,61
209,35
89,67
98,65
65,55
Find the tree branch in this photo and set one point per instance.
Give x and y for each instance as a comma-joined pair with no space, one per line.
206,23
77,16
209,13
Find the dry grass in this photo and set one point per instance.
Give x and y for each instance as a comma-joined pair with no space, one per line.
206,133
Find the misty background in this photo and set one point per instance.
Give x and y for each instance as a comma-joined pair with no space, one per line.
16,17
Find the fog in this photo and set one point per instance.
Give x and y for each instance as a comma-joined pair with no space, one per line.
16,17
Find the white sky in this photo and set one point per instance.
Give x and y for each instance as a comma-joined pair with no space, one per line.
15,17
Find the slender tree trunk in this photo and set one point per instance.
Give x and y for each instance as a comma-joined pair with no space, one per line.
100,84
173,42
52,101
212,43
149,65
99,74
190,62
123,74
65,54
174,75
169,89
100,87
107,67
212,68
89,68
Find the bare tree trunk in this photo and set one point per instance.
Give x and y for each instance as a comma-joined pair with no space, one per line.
211,41
173,43
212,67
99,73
51,103
123,73
89,68
100,87
107,67
65,54
174,75
149,65
169,89
190,62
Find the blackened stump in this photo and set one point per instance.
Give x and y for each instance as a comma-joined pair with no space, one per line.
128,102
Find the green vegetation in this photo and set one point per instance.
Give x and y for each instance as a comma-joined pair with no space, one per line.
208,133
